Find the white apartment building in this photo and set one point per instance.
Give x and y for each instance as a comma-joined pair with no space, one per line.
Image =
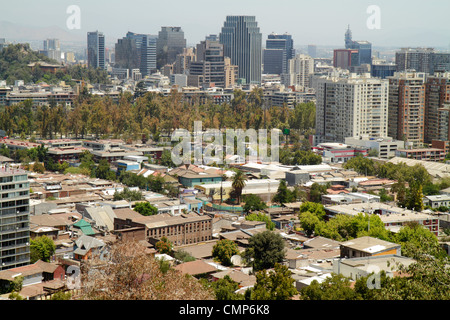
300,70
349,105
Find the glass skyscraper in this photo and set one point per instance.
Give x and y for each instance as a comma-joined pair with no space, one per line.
242,41
96,50
364,48
279,50
170,43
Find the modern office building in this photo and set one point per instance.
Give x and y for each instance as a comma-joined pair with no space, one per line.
349,105
345,58
312,50
364,48
183,61
170,43
418,59
14,218
299,72
407,107
127,54
96,50
242,41
210,63
382,69
52,49
440,62
279,50
137,51
385,146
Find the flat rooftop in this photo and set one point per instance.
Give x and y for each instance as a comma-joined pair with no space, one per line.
8,171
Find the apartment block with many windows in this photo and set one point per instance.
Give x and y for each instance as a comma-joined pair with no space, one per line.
14,218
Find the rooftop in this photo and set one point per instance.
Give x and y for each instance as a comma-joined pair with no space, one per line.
369,244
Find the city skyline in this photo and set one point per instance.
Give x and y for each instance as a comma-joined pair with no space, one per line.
403,23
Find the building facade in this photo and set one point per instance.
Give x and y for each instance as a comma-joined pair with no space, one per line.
418,59
279,50
242,41
14,218
407,107
300,70
170,43
96,50
349,105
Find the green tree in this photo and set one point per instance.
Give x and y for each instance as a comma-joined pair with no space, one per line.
239,180
336,287
265,248
308,222
61,295
127,194
225,289
316,191
259,216
283,195
41,248
274,285
223,250
253,203
145,208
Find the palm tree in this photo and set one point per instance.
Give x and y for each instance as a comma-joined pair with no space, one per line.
239,180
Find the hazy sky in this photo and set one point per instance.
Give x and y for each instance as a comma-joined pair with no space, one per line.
321,22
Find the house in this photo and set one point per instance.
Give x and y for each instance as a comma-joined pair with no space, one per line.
368,246
243,279
393,217
86,247
356,268
39,279
85,227
197,268
437,201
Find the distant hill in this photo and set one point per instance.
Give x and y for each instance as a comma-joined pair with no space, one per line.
16,32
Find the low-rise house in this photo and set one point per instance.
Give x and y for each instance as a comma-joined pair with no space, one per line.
87,247
367,247
40,279
356,268
197,268
243,279
437,201
393,217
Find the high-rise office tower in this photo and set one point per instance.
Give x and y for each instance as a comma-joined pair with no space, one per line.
210,63
418,59
345,58
170,43
349,105
127,54
14,218
407,107
279,50
183,61
300,69
96,50
364,48
242,42
52,49
312,50
137,51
